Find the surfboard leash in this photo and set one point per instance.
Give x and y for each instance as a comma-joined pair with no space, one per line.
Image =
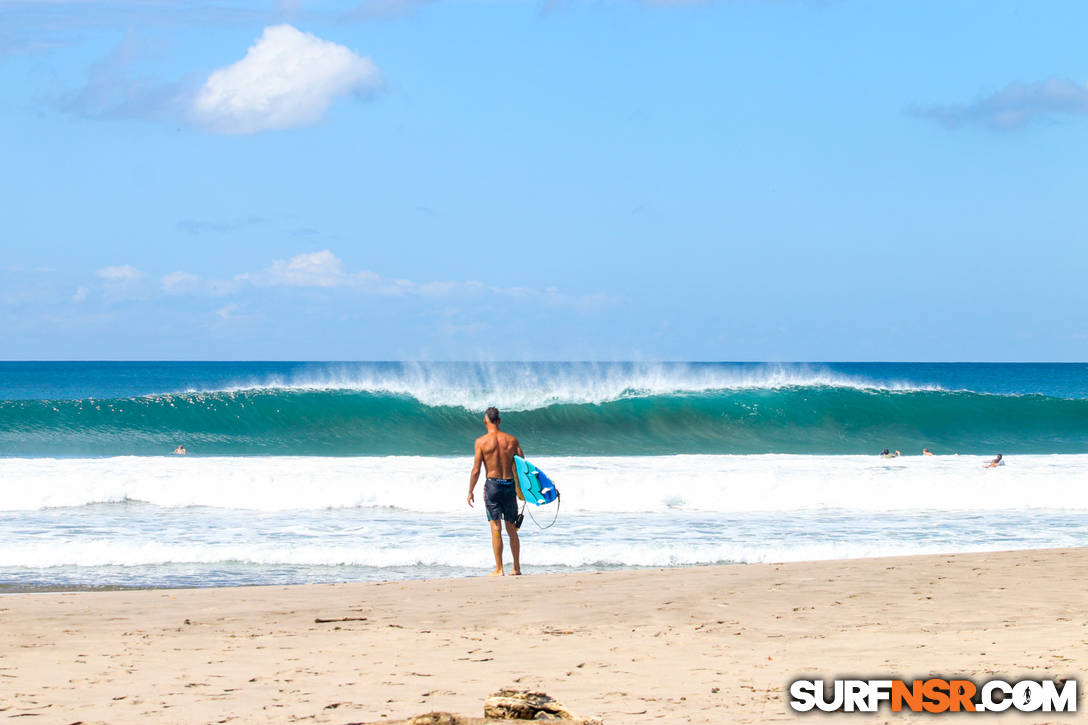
525,507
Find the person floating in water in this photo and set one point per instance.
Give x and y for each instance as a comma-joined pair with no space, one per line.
180,451
999,461
888,454
927,452
496,450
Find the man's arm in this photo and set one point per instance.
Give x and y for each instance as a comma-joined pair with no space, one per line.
475,475
517,485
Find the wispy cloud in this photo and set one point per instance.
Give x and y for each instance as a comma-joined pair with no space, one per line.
112,91
288,8
119,284
547,6
12,43
41,25
219,226
184,283
121,273
293,293
179,281
1014,106
382,9
227,314
288,78
323,270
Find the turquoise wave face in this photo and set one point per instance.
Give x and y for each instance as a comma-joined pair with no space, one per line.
802,419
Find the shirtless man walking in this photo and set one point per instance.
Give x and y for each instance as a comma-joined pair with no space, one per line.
496,450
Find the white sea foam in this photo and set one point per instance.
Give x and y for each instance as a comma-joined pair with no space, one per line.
727,484
525,387
470,554
265,520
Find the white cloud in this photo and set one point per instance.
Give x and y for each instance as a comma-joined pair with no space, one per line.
317,269
324,270
227,311
314,269
179,281
121,273
184,283
287,79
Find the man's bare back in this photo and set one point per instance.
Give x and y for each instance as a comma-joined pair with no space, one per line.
497,450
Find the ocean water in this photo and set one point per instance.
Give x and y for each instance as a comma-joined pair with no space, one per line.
305,472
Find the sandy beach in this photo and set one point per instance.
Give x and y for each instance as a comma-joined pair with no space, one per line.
706,644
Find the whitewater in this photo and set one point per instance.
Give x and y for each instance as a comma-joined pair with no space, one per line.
591,485
305,472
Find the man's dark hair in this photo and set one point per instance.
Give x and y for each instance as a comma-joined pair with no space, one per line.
492,414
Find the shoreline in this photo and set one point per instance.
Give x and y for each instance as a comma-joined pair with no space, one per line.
485,572
533,571
686,644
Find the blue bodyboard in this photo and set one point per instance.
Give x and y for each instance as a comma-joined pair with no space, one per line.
536,487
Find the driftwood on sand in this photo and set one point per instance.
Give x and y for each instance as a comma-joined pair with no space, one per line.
505,705
511,704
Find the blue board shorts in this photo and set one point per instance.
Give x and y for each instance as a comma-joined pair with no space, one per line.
500,501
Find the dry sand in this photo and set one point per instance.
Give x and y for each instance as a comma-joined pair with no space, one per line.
707,644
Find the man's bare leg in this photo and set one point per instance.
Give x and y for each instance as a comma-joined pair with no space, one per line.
515,546
496,546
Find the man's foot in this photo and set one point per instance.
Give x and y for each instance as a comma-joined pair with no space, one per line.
516,572
497,572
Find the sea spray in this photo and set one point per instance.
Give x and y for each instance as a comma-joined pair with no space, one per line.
809,419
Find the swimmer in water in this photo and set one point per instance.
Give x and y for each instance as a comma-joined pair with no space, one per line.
999,461
180,451
927,452
888,454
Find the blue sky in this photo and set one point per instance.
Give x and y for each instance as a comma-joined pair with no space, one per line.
489,180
